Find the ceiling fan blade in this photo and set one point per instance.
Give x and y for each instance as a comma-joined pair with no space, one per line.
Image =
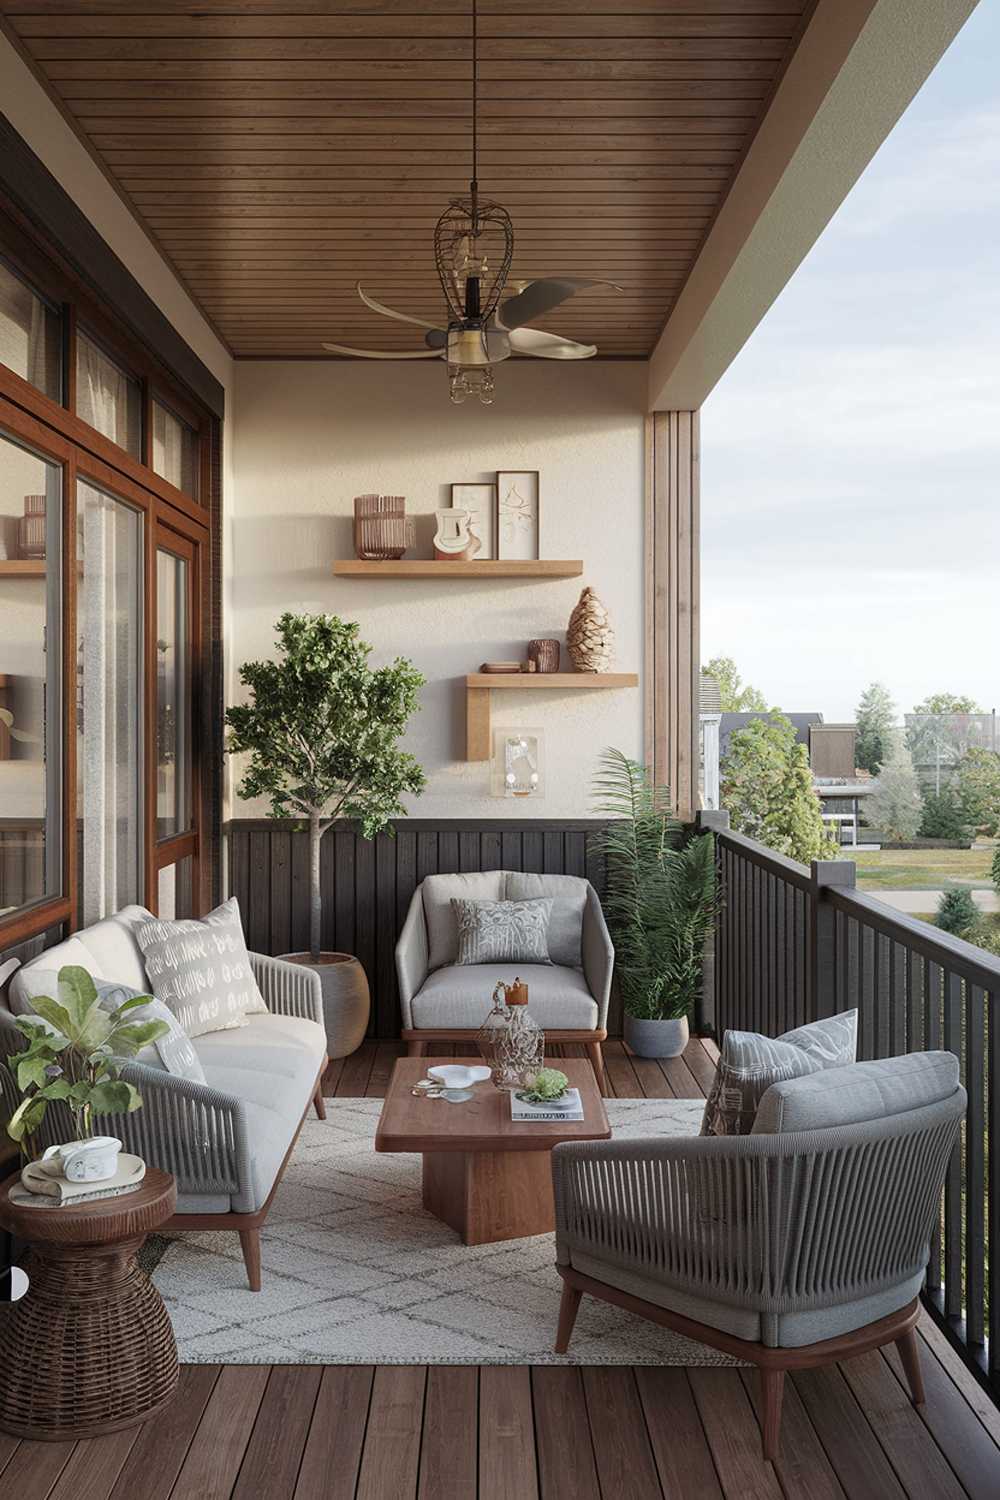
548,345
540,297
390,312
385,353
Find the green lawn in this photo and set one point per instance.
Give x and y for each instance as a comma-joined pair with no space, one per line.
922,869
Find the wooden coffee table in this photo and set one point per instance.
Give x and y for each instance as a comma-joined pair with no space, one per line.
489,1178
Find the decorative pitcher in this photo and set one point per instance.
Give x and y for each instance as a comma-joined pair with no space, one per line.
510,1040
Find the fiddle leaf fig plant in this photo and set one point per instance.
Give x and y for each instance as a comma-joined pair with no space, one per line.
74,1056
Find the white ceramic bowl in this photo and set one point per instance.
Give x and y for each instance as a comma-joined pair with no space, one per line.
458,1076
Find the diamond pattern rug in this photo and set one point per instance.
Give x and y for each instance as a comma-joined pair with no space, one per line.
356,1272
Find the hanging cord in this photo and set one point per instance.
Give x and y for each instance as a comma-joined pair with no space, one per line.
474,184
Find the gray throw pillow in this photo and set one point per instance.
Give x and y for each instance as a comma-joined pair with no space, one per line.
175,1051
749,1064
502,932
201,971
569,898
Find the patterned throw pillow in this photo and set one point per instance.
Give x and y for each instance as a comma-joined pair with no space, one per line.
201,970
749,1064
502,932
175,1051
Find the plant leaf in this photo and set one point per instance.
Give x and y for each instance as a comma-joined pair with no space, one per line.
77,993
111,1098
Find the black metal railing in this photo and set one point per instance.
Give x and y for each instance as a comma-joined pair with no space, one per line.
793,944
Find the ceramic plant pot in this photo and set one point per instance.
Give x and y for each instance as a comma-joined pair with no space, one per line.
656,1038
346,1001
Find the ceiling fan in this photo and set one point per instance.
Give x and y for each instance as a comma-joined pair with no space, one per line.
473,250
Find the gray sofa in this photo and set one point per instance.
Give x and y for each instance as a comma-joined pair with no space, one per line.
442,1001
226,1140
799,1244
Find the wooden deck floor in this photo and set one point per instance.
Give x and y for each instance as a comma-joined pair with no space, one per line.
511,1433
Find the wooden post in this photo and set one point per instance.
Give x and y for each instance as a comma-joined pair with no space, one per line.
671,657
822,996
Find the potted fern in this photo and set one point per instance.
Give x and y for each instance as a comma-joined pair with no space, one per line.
660,902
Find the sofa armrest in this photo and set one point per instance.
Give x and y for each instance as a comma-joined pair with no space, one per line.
190,1129
412,956
289,989
598,955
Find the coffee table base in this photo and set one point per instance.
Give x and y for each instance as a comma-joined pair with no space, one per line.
490,1195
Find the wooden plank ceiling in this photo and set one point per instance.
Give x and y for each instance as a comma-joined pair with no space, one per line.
280,150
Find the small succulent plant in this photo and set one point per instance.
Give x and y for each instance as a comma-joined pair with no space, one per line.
547,1083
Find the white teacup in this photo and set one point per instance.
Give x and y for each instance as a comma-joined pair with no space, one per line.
95,1160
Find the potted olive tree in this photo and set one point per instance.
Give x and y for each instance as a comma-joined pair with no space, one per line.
321,728
660,902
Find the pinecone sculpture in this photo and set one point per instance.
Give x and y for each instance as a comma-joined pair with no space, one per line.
590,639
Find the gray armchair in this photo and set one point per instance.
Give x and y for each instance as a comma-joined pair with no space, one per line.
442,1001
226,1140
803,1243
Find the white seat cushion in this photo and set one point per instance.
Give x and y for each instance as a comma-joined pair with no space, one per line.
442,926
569,898
460,997
271,1064
108,950
864,1091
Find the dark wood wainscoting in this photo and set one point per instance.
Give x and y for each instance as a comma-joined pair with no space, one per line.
367,884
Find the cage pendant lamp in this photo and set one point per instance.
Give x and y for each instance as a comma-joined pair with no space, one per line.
473,249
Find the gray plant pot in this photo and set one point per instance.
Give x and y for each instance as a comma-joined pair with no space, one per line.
656,1038
346,1001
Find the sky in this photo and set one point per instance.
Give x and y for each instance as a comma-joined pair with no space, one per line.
851,453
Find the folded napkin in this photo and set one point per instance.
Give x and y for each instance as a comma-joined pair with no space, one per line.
38,1183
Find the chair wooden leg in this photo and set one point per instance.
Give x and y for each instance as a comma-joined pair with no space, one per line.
416,1049
319,1101
250,1241
909,1354
568,1309
595,1052
772,1386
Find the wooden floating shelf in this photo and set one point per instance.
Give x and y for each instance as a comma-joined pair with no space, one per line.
478,686
428,567
22,567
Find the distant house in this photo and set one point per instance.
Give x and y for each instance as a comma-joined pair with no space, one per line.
839,786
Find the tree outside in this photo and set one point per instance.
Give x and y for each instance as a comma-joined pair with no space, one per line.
947,703
737,697
957,913
897,804
979,789
943,816
767,789
876,718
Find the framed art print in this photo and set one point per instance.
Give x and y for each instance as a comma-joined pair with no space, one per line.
517,514
480,500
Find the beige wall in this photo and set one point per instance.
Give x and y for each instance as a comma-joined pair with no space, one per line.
309,436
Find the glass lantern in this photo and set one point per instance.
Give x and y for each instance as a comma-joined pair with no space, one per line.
510,1040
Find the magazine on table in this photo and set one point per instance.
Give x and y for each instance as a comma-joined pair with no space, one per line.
569,1107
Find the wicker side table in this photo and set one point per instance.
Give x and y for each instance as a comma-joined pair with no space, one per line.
89,1348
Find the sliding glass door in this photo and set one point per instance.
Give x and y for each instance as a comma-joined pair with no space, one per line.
31,745
110,740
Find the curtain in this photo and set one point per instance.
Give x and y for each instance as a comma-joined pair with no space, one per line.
168,446
29,342
106,398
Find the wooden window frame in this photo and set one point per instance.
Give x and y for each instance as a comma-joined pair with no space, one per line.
183,522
